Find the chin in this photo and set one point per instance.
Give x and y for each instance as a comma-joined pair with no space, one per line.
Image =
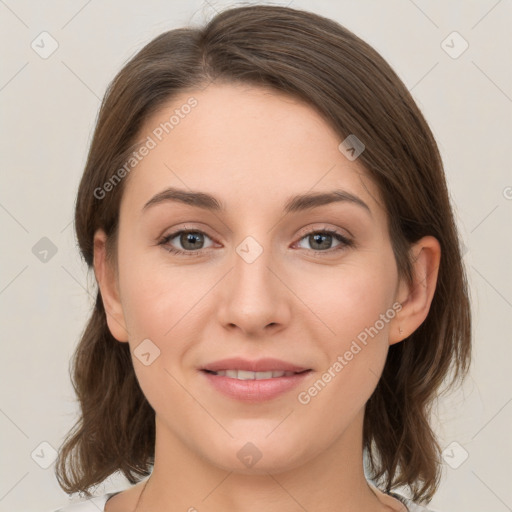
259,456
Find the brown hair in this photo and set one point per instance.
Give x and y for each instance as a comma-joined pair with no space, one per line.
355,90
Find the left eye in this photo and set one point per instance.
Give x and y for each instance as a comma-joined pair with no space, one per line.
324,238
193,241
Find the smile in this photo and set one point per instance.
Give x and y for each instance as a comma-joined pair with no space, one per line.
254,387
247,375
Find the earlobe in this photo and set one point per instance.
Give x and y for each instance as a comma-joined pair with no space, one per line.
108,286
416,297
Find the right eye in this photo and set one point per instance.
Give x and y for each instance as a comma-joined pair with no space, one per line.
190,240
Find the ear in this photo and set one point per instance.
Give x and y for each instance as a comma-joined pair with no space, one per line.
416,298
109,288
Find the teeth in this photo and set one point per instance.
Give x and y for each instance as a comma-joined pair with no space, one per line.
245,375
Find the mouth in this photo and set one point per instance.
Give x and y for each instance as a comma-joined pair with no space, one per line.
247,367
248,375
253,387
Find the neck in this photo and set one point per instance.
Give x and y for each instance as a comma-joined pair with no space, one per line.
333,481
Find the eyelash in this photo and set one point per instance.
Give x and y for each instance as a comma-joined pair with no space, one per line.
344,242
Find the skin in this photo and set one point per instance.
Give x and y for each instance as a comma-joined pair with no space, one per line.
252,148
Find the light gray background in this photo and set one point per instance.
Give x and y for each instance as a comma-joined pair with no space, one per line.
49,108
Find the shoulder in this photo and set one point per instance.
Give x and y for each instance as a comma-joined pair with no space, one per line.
409,504
397,502
95,504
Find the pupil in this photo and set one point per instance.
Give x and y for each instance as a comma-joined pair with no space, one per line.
192,239
318,239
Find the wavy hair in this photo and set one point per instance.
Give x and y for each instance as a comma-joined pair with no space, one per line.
325,65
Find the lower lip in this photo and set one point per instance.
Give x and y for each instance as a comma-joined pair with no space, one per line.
254,390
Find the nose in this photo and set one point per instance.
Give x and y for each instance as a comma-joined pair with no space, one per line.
254,297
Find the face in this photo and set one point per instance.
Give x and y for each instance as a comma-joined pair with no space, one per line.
313,284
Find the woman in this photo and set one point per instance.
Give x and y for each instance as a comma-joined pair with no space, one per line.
281,292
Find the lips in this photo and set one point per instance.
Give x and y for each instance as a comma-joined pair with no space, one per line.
247,375
260,365
254,381
254,390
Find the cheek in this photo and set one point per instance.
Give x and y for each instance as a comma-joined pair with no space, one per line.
355,309
155,295
351,297
158,306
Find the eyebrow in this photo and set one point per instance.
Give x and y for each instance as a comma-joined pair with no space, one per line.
293,204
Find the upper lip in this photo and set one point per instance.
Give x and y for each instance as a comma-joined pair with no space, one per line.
260,365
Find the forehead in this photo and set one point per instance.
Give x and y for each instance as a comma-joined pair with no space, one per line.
243,144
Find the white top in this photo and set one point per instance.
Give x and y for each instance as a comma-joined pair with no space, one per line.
97,504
